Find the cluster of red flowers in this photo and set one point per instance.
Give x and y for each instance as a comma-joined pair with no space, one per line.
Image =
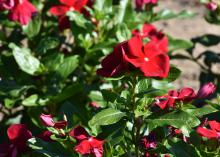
22,10
19,134
150,58
212,133
184,95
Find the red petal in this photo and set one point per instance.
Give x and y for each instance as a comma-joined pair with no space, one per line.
64,23
79,133
79,4
69,3
46,136
59,10
148,29
214,125
18,134
186,94
134,47
151,49
83,147
156,67
207,132
162,102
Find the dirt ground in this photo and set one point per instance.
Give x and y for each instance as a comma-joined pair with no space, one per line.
187,29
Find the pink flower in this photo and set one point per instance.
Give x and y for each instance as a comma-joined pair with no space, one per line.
206,90
94,105
20,10
87,145
212,6
47,121
213,132
67,5
149,31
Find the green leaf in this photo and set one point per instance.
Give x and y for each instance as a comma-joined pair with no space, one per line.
199,112
106,117
26,61
182,149
168,14
50,149
67,67
34,100
123,33
177,44
33,27
178,119
119,17
68,92
174,74
47,43
79,19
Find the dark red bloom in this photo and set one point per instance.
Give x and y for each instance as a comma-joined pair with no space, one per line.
140,3
8,150
86,143
213,132
169,100
67,5
18,134
20,11
150,31
47,121
114,64
206,90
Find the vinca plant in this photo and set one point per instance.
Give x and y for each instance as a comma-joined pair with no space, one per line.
93,78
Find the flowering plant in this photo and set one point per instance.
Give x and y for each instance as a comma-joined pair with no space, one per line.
94,78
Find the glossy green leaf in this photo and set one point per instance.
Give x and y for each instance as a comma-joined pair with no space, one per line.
106,117
33,27
26,61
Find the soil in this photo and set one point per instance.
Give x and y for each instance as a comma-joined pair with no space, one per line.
187,29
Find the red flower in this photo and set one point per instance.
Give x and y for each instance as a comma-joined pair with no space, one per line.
18,134
20,10
66,6
47,121
151,60
140,3
86,144
149,31
206,90
169,100
213,132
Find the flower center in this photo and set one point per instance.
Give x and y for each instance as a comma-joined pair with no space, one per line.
146,59
72,9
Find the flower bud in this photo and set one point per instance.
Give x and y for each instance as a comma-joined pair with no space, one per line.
206,90
212,6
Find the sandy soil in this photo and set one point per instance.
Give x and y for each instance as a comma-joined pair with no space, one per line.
187,29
